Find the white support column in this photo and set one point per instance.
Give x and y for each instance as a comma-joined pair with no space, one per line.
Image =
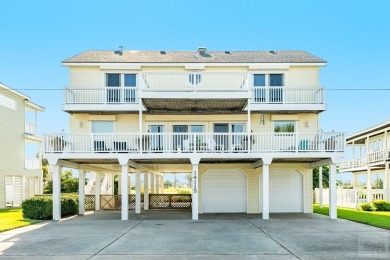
249,126
369,185
157,184
320,187
355,181
137,191
162,184
140,124
386,183
124,192
332,192
97,191
195,188
265,191
56,192
81,191
152,189
146,191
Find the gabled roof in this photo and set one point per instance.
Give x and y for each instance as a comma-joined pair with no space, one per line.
195,57
368,131
22,96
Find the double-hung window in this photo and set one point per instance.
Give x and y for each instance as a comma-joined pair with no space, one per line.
268,88
121,88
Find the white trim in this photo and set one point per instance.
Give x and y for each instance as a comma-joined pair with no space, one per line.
167,64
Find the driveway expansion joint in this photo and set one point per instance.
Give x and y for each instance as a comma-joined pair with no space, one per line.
116,239
274,239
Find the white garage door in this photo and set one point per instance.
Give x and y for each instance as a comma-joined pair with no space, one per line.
224,191
286,191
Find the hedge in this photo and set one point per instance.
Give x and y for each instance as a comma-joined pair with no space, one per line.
381,205
366,207
41,207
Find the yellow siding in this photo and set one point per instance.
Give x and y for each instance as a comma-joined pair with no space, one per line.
85,77
302,77
80,123
12,143
307,123
127,123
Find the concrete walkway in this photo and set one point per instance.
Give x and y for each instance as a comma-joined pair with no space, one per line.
172,235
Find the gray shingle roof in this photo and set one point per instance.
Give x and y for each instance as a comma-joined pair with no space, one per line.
195,57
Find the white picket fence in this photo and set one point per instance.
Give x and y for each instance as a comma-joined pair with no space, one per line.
349,198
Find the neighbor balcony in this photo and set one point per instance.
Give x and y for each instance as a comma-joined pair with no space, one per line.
194,143
372,158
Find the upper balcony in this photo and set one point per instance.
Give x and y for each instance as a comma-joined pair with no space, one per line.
160,90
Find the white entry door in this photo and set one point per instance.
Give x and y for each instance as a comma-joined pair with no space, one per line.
285,191
224,190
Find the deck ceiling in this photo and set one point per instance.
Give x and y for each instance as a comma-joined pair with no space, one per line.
173,165
191,106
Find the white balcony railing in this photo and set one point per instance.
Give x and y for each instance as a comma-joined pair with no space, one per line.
197,142
30,128
372,157
193,81
105,95
32,164
288,95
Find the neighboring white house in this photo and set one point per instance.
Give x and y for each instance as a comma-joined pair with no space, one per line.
20,148
244,123
370,156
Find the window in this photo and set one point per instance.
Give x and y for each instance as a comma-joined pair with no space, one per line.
113,80
121,87
7,102
130,80
197,129
259,80
194,78
102,127
284,126
268,88
276,80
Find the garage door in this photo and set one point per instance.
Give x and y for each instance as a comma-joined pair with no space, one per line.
286,191
224,191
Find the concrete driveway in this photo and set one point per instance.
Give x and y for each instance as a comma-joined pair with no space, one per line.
172,235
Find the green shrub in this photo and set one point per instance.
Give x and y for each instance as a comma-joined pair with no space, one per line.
381,205
41,207
366,207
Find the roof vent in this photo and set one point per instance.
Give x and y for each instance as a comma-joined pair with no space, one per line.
163,52
119,51
272,52
227,52
202,50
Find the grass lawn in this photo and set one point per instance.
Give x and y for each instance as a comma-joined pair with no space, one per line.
379,219
13,218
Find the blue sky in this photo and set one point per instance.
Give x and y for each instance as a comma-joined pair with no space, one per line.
353,36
